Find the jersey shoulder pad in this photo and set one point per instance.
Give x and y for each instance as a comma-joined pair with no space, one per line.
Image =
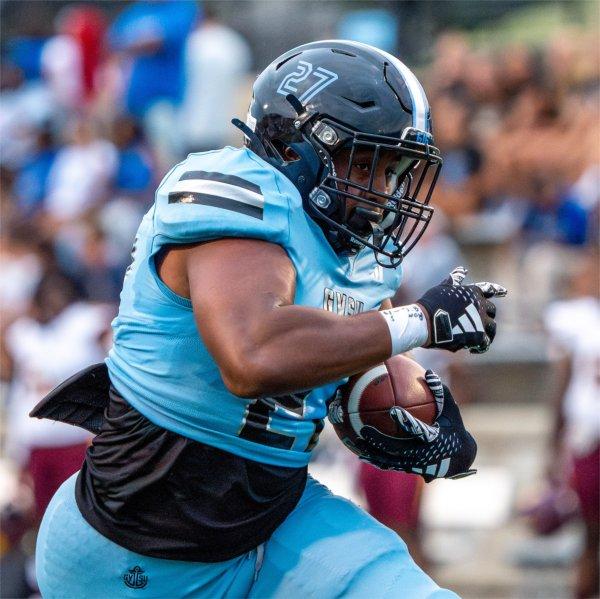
224,193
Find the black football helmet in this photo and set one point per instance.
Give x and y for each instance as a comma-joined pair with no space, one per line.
331,100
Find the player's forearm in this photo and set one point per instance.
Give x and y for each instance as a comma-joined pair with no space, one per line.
300,348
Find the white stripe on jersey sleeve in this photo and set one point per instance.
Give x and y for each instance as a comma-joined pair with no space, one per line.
222,190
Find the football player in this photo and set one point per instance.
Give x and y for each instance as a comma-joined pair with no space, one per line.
260,280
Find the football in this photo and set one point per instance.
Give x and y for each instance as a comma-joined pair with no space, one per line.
367,397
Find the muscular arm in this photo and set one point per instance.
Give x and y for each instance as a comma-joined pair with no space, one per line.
243,292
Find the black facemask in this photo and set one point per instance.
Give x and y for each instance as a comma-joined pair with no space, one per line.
410,181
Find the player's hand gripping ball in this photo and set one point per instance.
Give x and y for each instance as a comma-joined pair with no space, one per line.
368,398
398,416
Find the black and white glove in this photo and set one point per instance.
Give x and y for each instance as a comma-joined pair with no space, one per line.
442,450
461,316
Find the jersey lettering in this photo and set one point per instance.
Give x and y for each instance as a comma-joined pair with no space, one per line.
133,248
258,426
341,303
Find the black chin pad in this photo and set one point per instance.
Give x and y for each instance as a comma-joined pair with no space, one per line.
358,222
377,233
362,220
370,215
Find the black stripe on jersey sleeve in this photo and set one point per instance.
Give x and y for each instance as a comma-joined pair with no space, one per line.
205,199
222,178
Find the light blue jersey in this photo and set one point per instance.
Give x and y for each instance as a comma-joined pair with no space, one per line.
160,364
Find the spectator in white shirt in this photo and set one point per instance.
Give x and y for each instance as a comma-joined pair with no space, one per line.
59,336
217,62
81,174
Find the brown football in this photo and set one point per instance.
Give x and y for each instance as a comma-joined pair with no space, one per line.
367,397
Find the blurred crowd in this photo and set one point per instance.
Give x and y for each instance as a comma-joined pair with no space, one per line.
519,128
93,116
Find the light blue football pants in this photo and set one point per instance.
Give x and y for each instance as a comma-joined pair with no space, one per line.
327,547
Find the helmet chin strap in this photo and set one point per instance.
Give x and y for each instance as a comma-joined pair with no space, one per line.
378,233
256,144
365,222
387,221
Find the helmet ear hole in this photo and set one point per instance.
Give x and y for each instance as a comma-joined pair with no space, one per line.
287,153
290,154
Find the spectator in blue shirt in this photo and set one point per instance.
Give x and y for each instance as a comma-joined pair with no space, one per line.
25,52
134,164
30,183
557,216
152,35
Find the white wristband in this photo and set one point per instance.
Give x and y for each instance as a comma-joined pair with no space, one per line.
408,327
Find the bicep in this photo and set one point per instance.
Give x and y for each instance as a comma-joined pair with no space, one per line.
235,284
243,294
